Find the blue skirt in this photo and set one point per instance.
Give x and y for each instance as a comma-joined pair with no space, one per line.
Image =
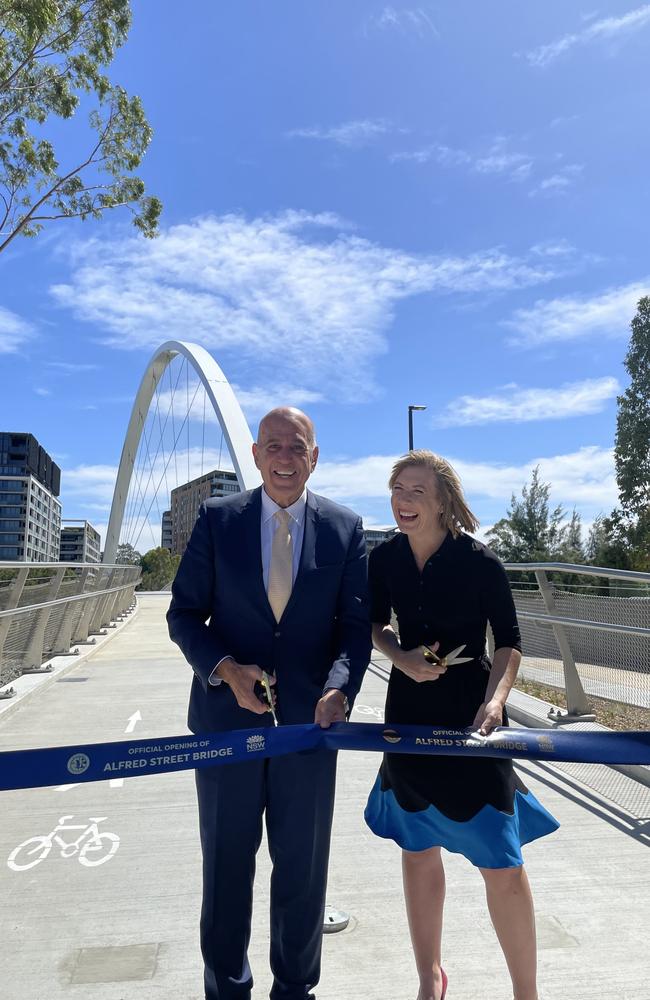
491,838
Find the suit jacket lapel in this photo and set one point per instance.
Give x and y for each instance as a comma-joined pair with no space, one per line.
248,543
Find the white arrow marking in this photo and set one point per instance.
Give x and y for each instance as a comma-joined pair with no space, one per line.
136,717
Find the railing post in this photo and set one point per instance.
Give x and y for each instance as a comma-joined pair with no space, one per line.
15,594
34,652
108,601
83,624
578,708
63,640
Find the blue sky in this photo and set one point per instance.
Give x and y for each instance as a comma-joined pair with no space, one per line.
366,205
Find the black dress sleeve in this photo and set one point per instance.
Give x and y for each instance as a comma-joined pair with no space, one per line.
499,604
380,603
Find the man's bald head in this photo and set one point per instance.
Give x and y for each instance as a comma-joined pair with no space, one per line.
291,413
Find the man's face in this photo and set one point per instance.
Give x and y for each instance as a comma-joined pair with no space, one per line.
285,456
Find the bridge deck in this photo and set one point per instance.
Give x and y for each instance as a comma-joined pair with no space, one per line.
128,928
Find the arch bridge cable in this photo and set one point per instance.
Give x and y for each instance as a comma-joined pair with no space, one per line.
177,430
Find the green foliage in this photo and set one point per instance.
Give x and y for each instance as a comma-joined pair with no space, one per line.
632,449
531,532
126,554
622,539
158,569
51,55
607,545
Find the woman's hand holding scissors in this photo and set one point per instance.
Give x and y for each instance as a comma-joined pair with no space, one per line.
415,664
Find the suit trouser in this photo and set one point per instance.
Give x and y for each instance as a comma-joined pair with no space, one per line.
296,793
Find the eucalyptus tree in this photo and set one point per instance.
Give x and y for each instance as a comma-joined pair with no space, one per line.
53,56
622,538
632,447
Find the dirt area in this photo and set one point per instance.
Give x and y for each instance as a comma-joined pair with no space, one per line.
613,714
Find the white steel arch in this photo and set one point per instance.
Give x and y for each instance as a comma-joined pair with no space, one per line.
224,402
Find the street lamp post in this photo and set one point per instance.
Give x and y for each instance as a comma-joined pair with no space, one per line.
411,408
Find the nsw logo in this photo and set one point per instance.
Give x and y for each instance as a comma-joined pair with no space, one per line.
255,743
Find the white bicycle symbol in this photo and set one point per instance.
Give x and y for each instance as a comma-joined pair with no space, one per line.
368,710
90,842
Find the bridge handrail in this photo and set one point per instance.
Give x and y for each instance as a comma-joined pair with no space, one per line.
585,623
617,662
31,608
67,565
581,570
32,633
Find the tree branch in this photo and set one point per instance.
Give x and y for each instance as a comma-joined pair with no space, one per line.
55,187
6,84
48,48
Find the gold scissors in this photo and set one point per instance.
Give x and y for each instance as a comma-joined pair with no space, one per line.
268,694
450,660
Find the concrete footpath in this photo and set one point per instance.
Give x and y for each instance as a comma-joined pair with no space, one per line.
127,929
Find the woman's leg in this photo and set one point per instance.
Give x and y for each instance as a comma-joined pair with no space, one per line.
424,893
511,907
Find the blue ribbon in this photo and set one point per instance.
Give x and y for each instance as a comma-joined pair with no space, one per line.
128,758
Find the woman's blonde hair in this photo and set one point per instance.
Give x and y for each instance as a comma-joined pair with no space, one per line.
455,513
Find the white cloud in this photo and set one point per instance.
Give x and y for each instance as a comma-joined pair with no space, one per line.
408,21
607,29
518,405
71,368
295,298
497,160
95,483
254,401
14,331
554,248
585,478
350,134
569,318
257,401
559,182
40,391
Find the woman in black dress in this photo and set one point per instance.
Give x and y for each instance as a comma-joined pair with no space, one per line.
444,587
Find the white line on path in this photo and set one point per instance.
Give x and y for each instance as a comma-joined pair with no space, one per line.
131,724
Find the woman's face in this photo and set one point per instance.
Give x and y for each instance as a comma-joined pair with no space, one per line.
415,501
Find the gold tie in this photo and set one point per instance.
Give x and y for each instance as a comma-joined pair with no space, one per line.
281,568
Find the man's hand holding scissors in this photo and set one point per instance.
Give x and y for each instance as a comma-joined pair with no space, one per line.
242,679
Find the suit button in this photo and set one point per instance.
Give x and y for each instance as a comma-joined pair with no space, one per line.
277,634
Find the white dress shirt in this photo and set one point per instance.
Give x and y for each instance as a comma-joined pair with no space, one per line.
268,527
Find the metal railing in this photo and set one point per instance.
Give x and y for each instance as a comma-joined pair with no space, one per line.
47,608
585,629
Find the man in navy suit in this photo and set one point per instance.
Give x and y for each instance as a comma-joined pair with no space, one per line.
316,650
